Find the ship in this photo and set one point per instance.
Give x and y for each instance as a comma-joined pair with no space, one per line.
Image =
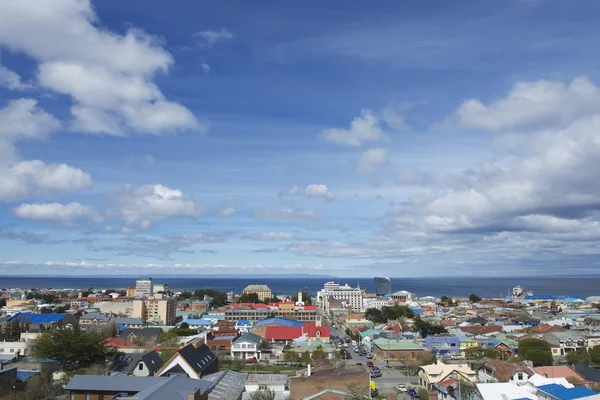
519,293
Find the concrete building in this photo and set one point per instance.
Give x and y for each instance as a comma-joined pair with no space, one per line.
130,291
330,383
160,287
403,296
144,287
349,296
156,309
262,291
383,286
276,383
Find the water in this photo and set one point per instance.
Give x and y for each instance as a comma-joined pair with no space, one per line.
449,286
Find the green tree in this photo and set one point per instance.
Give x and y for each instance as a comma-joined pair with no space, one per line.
74,348
535,350
185,295
262,395
375,315
581,356
318,354
60,310
12,331
305,358
595,354
290,356
426,328
473,298
445,300
248,298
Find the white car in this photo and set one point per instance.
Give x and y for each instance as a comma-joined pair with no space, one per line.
401,388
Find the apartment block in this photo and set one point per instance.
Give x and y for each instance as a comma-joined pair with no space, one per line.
262,291
156,309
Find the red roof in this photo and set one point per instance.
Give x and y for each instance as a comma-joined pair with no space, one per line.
481,330
249,305
283,332
310,308
311,330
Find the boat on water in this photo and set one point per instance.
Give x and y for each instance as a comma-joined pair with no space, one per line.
519,293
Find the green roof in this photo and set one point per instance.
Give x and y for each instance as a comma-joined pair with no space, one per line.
385,344
313,346
368,332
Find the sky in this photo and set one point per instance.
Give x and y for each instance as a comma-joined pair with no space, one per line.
342,138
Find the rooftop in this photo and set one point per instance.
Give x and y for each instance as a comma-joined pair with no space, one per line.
386,344
267,378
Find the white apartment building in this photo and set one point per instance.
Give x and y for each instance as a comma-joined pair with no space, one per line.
352,297
144,287
376,302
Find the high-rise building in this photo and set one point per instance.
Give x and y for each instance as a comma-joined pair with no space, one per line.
144,287
262,291
158,308
349,296
383,286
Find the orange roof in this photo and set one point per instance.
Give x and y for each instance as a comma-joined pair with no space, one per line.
559,371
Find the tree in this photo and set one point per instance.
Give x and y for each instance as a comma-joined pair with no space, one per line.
290,356
73,348
473,298
185,296
581,356
262,395
426,328
305,358
445,300
595,354
374,314
12,331
535,350
318,354
60,310
248,298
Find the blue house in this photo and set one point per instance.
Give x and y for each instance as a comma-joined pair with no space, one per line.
442,346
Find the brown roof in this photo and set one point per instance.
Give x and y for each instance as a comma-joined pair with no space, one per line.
544,328
481,330
505,370
559,371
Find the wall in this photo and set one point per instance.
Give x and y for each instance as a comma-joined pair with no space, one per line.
304,387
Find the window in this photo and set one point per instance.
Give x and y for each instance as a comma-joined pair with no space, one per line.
263,387
520,376
141,367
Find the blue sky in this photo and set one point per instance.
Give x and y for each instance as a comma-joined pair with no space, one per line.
408,139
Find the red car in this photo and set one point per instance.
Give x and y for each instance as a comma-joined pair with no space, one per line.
370,364
252,360
348,356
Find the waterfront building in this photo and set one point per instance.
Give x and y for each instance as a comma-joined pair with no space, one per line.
144,287
383,286
262,291
156,309
403,296
349,296
160,287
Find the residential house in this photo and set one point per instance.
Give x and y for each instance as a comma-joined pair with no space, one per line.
525,321
243,326
560,371
142,335
124,323
117,387
467,343
137,364
501,371
94,320
193,361
329,383
310,347
226,385
443,345
276,383
588,373
219,345
431,374
565,342
246,346
40,322
398,349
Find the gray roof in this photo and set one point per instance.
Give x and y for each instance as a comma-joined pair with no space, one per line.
141,332
226,385
248,337
98,316
257,288
111,383
176,387
128,321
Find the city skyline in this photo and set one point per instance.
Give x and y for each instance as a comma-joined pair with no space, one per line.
411,139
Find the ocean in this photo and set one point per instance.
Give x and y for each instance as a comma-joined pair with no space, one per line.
582,286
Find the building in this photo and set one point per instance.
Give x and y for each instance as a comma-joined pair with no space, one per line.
130,292
376,302
398,349
137,364
246,346
262,291
160,287
193,361
144,287
276,383
565,342
40,322
94,320
403,296
303,314
117,387
443,345
431,374
349,296
383,286
157,309
330,383
501,371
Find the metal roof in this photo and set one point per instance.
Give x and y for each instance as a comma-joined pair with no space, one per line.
38,318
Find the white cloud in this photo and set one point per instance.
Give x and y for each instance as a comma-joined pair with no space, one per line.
288,192
11,80
394,118
152,202
362,130
227,211
529,105
108,75
30,178
315,190
23,119
64,214
371,160
209,37
271,236
205,67
285,214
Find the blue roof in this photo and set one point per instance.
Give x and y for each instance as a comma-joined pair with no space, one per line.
24,375
38,318
279,321
244,322
417,311
566,394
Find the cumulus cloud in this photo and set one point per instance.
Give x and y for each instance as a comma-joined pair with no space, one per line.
210,37
155,202
23,119
36,178
318,190
289,191
371,160
109,76
205,67
11,80
63,214
411,177
363,129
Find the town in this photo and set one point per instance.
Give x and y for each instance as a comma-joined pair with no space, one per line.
150,341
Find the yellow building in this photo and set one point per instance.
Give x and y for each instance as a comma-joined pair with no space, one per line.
130,291
262,291
467,343
16,303
158,309
431,374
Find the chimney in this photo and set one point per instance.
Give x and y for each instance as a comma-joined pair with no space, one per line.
18,355
308,370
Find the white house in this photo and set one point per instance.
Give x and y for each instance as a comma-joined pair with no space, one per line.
246,346
565,342
276,383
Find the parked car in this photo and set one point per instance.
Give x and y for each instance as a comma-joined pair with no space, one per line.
401,388
370,364
358,363
348,356
376,374
370,356
252,360
374,392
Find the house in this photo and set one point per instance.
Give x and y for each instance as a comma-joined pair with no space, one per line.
219,345
565,342
477,320
277,383
467,343
431,374
588,373
94,320
504,391
226,385
501,371
117,387
329,383
443,345
560,371
282,334
526,321
39,322
243,326
554,391
124,323
480,330
143,335
310,347
398,349
138,364
246,346
193,361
